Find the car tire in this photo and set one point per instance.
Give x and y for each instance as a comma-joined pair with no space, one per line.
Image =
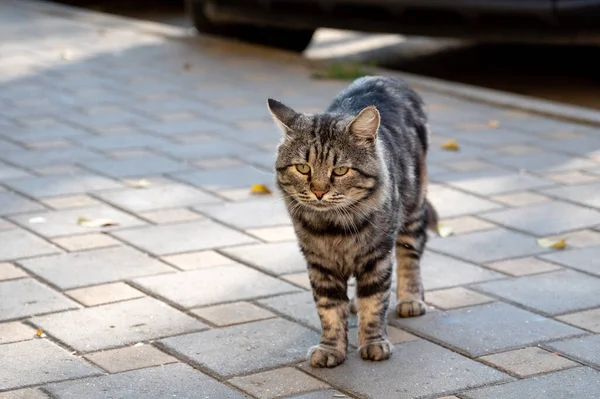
287,39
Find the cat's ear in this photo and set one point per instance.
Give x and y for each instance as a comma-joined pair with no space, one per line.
364,127
283,115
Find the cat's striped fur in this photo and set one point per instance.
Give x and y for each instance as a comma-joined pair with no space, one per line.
358,223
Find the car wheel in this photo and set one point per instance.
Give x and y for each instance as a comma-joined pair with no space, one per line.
283,38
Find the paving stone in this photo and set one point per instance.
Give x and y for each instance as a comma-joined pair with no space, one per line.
579,239
457,297
157,197
22,244
580,382
467,224
46,186
63,169
394,335
13,203
98,266
46,132
102,294
588,319
10,172
300,307
248,347
117,324
247,214
236,194
585,349
70,201
138,166
37,362
484,329
277,383
577,291
120,154
26,297
493,182
27,393
274,234
59,156
467,165
520,198
523,266
233,313
187,126
15,332
584,259
584,194
278,258
10,272
238,177
440,271
169,381
197,260
214,285
544,162
572,178
217,163
122,141
488,246
183,237
299,279
326,394
427,370
204,149
130,358
518,149
528,361
450,202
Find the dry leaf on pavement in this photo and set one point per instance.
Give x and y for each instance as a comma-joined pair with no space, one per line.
450,145
260,189
85,222
40,333
552,243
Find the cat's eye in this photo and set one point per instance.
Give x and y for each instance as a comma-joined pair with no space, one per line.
341,171
303,168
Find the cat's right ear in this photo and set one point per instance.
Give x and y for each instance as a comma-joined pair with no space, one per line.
283,115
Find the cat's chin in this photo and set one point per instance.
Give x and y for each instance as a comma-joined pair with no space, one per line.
320,206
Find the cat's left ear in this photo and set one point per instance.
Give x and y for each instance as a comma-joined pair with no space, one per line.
364,127
283,115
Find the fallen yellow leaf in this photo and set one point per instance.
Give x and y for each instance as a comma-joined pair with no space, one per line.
494,124
85,222
143,183
260,189
552,243
444,230
450,145
40,333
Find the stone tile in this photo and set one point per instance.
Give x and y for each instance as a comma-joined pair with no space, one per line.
58,156
236,194
520,198
580,239
102,294
117,324
248,214
585,194
22,244
48,145
63,169
176,215
232,313
584,259
585,349
131,140
467,165
580,382
300,279
440,271
70,201
86,241
457,297
138,166
427,370
120,154
523,266
518,149
395,336
540,292
10,272
184,237
277,383
492,182
10,172
274,234
98,266
248,347
221,179
47,186
450,202
169,381
277,258
15,332
467,224
197,260
300,307
157,197
214,285
528,361
37,362
4,225
588,319
13,203
27,393
217,163
130,358
64,222
206,149
488,246
484,329
572,178
543,162
326,394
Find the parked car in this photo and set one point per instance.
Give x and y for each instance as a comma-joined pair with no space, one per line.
290,24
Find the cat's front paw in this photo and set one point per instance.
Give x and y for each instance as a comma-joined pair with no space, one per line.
411,308
376,351
320,356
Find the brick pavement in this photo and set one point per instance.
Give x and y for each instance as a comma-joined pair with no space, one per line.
200,291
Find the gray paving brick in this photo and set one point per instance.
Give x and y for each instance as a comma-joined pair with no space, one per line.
117,324
45,132
157,197
12,203
488,246
277,383
26,393
450,202
10,172
279,258
588,319
187,126
528,361
426,370
577,146
585,349
15,332
326,394
440,271
586,194
584,259
130,358
6,146
581,382
79,269
238,177
60,156
263,212
203,150
64,222
183,237
483,329
548,162
21,244
546,218
300,307
136,166
37,362
232,313
214,285
577,291
247,348
46,186
170,381
493,182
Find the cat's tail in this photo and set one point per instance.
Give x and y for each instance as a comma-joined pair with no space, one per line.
432,216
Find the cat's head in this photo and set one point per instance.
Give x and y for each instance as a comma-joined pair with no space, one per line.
327,161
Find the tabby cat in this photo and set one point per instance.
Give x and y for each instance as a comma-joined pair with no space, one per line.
354,182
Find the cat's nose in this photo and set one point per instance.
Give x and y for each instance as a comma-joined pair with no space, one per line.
319,193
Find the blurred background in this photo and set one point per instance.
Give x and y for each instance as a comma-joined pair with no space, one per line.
543,48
